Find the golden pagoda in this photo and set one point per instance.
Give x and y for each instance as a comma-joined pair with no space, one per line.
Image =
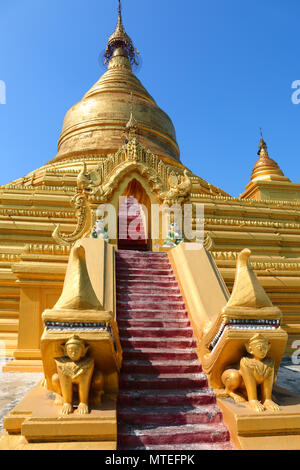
32,264
117,142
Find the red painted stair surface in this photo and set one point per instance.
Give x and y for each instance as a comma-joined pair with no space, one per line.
164,402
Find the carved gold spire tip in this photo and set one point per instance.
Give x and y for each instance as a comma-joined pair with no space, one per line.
266,168
132,124
121,42
262,146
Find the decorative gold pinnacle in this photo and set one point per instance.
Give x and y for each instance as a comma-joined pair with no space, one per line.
120,40
247,291
78,292
266,168
132,124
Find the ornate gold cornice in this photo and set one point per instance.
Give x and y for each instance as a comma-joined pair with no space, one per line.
35,248
248,202
257,265
36,213
250,223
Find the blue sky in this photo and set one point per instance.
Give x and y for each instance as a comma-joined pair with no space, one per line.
220,68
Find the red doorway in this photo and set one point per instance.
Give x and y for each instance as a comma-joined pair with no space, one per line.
132,233
133,218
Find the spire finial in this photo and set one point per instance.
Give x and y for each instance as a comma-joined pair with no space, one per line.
120,12
120,40
262,144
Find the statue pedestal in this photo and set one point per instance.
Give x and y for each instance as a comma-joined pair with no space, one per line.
36,418
267,430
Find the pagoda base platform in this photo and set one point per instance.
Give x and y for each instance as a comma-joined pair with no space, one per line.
9,442
25,365
35,423
267,430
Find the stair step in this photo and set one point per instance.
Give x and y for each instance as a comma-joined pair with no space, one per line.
162,381
9,325
141,271
8,343
150,298
126,238
147,264
124,254
9,304
126,313
150,279
167,367
7,336
145,289
148,261
204,446
143,261
178,343
133,284
135,332
154,323
170,415
160,435
132,246
136,398
9,314
134,304
159,354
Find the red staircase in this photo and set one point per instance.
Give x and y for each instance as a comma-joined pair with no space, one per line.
130,218
164,400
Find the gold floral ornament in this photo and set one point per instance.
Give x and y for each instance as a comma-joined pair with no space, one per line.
83,216
178,191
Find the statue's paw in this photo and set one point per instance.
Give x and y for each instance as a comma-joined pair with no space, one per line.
221,393
66,409
238,398
256,405
59,401
82,409
271,405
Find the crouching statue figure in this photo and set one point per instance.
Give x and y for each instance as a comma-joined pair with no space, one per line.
253,371
76,370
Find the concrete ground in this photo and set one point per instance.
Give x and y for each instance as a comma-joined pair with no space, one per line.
15,385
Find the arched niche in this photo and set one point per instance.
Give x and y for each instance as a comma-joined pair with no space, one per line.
135,185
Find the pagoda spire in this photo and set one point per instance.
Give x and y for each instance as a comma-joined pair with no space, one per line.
262,144
120,40
120,12
266,168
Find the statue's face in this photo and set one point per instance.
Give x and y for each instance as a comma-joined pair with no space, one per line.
259,349
74,351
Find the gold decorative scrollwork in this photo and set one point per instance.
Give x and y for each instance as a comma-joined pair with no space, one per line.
178,191
83,215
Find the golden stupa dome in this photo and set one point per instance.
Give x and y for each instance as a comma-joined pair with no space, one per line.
266,168
97,124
